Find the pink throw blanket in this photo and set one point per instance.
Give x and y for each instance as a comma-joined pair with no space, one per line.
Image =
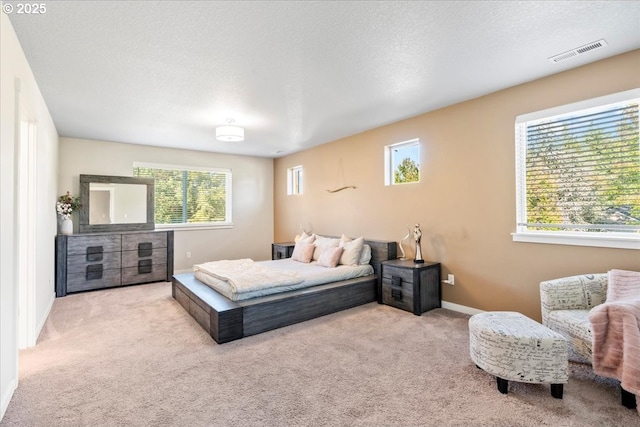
616,331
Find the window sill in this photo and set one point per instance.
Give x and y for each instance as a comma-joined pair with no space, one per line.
187,227
610,240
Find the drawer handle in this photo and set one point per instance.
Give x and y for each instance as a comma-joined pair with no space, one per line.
396,294
396,281
94,272
145,249
144,266
95,253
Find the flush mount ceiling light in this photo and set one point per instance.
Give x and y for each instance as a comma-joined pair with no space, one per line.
229,132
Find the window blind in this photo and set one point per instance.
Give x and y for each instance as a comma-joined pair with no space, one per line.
185,196
581,170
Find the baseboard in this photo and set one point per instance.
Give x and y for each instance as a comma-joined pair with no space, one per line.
44,318
6,397
461,308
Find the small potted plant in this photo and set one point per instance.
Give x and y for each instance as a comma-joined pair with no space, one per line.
65,207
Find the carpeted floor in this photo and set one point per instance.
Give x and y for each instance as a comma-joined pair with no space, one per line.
132,356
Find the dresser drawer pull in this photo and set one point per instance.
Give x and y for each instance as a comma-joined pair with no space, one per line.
94,272
144,266
95,253
396,281
145,249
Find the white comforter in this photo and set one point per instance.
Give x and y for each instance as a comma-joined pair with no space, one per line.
310,275
245,275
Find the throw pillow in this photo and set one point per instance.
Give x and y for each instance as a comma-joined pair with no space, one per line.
302,252
323,243
330,257
351,251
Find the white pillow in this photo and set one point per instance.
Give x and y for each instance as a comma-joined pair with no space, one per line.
365,257
321,243
352,249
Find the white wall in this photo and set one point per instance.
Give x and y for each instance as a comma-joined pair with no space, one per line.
252,193
15,72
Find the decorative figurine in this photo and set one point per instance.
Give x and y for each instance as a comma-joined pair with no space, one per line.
417,234
403,239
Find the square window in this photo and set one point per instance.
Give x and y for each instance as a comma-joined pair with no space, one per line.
402,162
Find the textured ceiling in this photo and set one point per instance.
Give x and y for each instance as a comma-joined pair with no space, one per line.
294,74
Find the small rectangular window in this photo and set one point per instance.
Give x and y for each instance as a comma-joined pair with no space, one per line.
578,170
402,162
187,195
294,180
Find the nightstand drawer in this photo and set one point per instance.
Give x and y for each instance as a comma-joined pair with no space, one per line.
389,271
399,297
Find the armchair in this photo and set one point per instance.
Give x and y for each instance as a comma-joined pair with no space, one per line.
565,305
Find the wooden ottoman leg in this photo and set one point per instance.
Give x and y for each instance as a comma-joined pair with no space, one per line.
556,390
503,385
628,399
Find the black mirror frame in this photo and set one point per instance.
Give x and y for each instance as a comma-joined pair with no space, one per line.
85,227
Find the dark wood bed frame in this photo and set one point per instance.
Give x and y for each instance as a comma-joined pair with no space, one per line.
227,320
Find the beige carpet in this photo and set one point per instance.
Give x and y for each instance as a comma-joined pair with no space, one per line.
132,356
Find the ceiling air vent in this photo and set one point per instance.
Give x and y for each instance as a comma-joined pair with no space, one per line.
578,51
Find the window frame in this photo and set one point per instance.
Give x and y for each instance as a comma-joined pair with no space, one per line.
609,239
389,157
292,185
227,223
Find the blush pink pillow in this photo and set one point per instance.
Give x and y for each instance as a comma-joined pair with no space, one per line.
302,252
330,257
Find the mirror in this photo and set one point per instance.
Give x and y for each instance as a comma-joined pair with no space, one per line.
116,203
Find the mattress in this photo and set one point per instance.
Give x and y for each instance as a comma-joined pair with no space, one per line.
312,275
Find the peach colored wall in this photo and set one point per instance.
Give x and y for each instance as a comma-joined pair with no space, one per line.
465,200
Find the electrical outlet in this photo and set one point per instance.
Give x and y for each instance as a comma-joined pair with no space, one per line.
188,255
451,280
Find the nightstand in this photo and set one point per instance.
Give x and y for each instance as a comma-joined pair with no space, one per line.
282,250
410,286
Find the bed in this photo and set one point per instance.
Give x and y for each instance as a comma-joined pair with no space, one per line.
227,320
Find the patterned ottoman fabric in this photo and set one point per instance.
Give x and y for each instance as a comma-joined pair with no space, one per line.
514,347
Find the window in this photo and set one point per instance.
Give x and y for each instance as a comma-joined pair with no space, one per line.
578,173
294,180
402,162
189,196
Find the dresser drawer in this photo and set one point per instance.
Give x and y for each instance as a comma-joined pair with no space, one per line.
131,258
83,245
144,273
93,279
77,264
144,241
399,297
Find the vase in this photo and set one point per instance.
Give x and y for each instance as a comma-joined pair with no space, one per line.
67,226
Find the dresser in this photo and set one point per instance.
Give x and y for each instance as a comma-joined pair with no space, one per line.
410,286
104,260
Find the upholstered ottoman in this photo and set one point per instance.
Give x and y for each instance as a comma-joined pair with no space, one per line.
513,347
